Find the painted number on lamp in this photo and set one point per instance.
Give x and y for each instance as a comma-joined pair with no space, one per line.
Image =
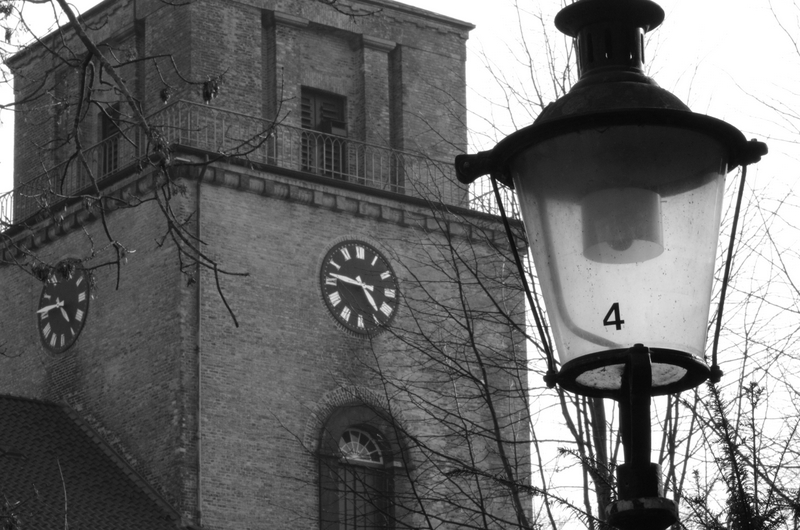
613,313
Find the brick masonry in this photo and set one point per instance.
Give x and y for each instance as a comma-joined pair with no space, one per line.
222,419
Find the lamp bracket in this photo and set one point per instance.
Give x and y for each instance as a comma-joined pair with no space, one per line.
469,168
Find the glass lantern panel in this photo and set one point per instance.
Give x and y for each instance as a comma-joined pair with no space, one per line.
623,224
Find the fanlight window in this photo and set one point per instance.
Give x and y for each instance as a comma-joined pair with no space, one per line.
356,445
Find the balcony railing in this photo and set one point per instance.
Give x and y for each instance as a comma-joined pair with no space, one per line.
235,135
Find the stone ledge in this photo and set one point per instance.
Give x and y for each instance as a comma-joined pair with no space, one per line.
266,184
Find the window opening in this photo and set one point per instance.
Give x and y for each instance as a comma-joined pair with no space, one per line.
325,150
362,487
356,483
109,138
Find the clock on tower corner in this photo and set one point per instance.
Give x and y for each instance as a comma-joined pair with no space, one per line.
63,306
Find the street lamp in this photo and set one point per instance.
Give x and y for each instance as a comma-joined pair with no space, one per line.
620,188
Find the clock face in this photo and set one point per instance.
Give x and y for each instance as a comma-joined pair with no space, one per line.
359,287
63,307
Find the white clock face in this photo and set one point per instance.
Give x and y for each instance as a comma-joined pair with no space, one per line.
359,287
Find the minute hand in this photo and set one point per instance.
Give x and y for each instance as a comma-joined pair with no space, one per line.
345,279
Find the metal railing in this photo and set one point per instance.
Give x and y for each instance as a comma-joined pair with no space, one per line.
234,135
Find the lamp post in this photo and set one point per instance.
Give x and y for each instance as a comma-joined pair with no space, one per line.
620,188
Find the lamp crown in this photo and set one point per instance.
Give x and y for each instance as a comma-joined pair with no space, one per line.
609,34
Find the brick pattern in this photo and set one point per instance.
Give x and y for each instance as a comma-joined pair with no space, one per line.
222,420
345,396
268,49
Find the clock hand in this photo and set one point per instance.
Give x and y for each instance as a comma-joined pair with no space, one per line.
345,279
369,297
364,285
367,289
47,308
64,312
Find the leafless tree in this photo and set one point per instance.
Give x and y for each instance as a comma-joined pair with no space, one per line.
728,451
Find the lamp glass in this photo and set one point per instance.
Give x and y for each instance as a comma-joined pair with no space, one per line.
623,223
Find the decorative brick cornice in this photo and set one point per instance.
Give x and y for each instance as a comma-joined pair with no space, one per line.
358,200
320,192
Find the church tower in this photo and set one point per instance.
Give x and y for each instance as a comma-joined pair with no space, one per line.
233,264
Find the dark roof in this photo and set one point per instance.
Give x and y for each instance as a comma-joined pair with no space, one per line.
56,468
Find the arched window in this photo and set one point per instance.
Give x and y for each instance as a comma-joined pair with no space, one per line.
356,472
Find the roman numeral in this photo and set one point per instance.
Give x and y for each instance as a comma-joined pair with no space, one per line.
330,280
345,314
79,281
335,264
359,252
386,309
46,330
360,321
374,260
345,253
389,293
81,296
53,339
385,275
79,315
334,298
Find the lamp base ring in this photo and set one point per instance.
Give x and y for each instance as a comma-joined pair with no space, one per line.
600,374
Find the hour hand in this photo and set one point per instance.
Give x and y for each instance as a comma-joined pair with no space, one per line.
369,298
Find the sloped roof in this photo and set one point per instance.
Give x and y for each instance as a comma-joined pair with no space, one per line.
54,467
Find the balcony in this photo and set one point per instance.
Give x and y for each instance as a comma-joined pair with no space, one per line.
234,136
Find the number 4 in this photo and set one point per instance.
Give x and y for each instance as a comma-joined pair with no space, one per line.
614,311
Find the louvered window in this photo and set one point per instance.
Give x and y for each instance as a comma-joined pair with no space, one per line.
324,151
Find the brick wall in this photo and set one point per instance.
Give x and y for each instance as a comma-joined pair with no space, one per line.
266,50
221,418
127,372
266,383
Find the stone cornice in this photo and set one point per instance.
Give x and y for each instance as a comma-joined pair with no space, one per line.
358,200
273,182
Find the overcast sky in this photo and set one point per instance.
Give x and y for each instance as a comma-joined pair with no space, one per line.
719,56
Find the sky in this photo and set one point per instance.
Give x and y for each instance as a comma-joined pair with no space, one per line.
718,56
